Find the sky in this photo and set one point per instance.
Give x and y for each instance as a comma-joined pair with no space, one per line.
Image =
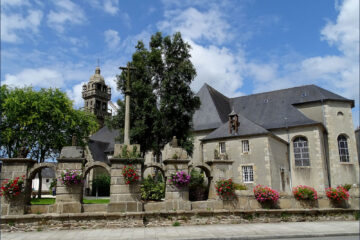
238,47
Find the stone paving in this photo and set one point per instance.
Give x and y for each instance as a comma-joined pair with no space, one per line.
235,231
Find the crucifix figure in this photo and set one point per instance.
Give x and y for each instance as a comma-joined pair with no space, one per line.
128,68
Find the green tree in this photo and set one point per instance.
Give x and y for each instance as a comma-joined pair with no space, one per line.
37,124
162,103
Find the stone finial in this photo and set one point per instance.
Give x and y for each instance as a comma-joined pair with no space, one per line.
73,140
23,152
174,142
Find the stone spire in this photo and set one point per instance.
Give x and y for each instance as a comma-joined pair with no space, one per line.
96,95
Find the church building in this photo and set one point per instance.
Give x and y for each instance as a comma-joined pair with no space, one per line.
297,136
285,138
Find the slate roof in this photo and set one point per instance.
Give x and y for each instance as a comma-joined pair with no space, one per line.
246,128
268,110
46,173
102,142
213,109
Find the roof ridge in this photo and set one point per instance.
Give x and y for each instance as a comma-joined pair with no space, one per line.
278,90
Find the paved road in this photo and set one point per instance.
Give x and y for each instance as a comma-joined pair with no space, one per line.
337,229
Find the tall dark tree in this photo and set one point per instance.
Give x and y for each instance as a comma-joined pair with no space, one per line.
162,103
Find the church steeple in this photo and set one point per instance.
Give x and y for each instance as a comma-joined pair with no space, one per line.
96,95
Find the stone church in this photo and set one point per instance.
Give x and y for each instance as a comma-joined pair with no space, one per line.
297,136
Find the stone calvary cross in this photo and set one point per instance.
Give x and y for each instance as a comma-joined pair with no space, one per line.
128,68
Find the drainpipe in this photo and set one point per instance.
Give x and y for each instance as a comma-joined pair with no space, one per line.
288,148
325,142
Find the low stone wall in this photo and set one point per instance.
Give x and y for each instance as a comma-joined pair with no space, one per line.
39,222
244,200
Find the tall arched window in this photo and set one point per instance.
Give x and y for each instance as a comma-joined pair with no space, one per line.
301,151
343,148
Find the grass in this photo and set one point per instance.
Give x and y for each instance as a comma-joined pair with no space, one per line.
176,224
42,201
96,201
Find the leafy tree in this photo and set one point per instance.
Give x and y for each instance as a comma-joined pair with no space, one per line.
37,124
162,103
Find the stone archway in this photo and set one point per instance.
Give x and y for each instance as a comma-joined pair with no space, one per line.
31,174
155,180
209,177
102,173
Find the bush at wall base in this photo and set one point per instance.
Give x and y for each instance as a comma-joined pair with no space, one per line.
11,188
130,174
225,188
71,178
303,192
266,196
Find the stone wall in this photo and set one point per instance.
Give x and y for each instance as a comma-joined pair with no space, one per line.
39,222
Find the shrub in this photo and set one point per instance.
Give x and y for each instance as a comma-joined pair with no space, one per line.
347,186
130,174
12,187
240,187
337,194
153,188
53,184
302,192
71,177
101,184
225,188
265,194
180,179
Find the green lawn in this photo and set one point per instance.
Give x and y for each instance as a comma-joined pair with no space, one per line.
96,201
42,201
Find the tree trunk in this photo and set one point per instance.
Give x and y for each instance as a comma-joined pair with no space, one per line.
40,184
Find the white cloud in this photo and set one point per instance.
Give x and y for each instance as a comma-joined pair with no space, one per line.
66,12
75,94
112,38
14,24
39,77
111,6
108,6
196,25
218,67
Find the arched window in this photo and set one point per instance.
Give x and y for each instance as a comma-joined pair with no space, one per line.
301,152
343,148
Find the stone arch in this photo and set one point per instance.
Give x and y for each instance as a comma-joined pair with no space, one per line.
208,175
205,168
38,166
158,166
91,165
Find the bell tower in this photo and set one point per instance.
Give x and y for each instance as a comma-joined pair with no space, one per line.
96,95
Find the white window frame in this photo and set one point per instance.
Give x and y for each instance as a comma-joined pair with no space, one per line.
247,173
301,152
245,146
222,149
343,150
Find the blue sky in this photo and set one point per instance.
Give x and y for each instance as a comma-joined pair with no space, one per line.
238,47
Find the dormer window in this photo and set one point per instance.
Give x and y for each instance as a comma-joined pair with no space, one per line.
233,122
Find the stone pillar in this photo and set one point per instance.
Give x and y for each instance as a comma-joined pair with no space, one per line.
69,198
127,120
123,197
221,169
176,198
12,168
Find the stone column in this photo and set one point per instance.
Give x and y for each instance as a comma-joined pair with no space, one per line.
127,119
221,169
69,198
176,198
12,168
124,197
